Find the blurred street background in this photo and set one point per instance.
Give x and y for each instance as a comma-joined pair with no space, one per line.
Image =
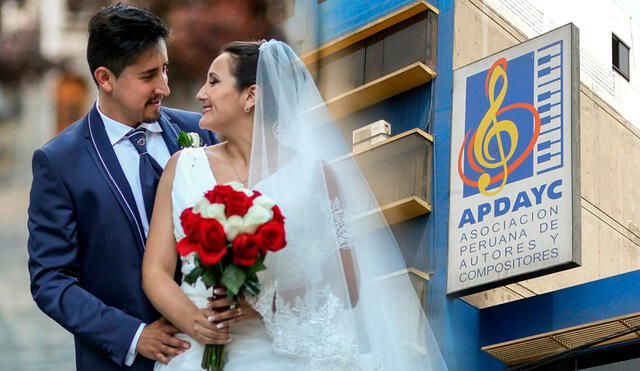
45,85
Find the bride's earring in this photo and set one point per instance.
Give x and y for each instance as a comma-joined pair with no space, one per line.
247,109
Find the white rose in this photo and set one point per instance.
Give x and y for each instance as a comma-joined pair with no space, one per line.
255,217
196,141
215,211
264,201
201,205
233,226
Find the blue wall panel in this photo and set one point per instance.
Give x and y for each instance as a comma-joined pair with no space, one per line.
455,323
340,17
404,111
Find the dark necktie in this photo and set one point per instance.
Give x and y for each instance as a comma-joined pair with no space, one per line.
149,169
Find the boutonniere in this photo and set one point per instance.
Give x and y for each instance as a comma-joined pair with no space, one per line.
186,140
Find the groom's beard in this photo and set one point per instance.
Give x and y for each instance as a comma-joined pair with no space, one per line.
152,109
151,118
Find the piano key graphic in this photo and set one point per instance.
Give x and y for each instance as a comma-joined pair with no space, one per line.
549,154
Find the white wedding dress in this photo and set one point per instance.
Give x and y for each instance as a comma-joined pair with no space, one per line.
297,159
251,346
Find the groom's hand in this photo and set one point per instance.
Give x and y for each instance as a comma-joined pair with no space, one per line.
158,343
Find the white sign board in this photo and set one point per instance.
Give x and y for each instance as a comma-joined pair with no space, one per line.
514,200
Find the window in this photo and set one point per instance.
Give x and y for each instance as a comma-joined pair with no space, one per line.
620,56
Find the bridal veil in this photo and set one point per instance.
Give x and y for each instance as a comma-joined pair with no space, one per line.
330,297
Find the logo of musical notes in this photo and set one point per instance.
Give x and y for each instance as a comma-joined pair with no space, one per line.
502,127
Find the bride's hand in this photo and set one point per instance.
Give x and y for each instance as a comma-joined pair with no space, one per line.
205,331
233,312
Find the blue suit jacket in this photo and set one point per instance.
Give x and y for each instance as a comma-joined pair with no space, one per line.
86,241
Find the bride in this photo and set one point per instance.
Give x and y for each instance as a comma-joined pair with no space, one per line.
329,300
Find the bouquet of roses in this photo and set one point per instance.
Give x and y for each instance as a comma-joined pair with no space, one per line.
231,229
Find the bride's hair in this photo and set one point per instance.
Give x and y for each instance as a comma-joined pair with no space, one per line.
244,61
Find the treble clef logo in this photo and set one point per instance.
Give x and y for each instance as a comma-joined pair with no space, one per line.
492,129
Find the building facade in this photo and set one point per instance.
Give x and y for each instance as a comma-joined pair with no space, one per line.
394,61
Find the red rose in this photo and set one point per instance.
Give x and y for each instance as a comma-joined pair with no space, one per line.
256,194
245,249
186,247
277,215
272,234
237,203
219,194
212,244
190,224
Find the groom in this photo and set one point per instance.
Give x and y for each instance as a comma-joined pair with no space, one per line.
92,196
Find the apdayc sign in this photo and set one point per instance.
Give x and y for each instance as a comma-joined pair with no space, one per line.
514,202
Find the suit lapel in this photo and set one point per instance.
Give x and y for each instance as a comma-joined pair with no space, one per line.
169,132
101,150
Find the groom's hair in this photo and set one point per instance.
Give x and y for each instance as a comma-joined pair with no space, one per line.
119,33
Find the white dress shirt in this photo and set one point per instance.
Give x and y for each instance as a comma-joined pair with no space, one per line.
129,160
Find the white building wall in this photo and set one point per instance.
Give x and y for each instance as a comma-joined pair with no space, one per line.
597,20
